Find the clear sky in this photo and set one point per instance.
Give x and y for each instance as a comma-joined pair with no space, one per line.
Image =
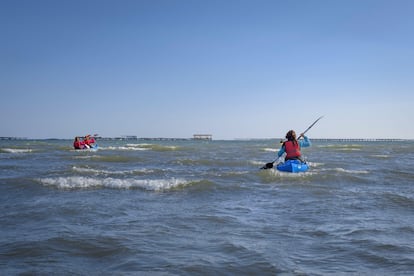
231,68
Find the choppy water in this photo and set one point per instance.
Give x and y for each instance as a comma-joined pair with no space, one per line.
205,208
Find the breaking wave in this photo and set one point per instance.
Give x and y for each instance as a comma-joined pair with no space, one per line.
351,171
108,172
10,150
81,182
142,147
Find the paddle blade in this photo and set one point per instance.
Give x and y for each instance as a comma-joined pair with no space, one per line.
267,166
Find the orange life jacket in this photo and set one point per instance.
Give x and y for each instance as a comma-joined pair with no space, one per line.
292,150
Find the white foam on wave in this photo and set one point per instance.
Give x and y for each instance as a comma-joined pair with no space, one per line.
88,170
142,147
9,150
380,155
351,171
271,149
125,148
96,171
278,173
85,156
139,145
77,182
340,146
257,163
315,164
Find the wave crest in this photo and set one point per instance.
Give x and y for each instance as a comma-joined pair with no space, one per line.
10,150
79,182
142,147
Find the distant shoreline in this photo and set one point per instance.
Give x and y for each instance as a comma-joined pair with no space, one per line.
241,139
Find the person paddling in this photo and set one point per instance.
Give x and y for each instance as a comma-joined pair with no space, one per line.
89,141
78,144
292,146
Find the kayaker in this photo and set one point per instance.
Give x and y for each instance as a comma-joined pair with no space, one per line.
89,141
78,144
292,146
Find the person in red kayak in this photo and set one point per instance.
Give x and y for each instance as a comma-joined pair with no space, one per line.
78,144
292,146
89,141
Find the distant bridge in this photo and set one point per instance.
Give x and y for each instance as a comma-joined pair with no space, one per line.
203,137
358,139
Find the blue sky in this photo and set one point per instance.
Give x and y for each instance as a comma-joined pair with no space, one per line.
234,69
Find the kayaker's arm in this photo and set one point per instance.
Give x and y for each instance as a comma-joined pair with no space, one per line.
305,142
281,151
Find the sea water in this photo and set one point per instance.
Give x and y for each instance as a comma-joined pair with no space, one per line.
205,208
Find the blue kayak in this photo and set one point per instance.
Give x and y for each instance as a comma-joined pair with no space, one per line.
293,166
94,147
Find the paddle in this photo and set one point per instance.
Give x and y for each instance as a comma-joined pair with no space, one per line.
270,165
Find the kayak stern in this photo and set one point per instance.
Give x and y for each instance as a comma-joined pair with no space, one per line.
293,166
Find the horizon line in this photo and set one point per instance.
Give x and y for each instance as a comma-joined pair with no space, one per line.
232,139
